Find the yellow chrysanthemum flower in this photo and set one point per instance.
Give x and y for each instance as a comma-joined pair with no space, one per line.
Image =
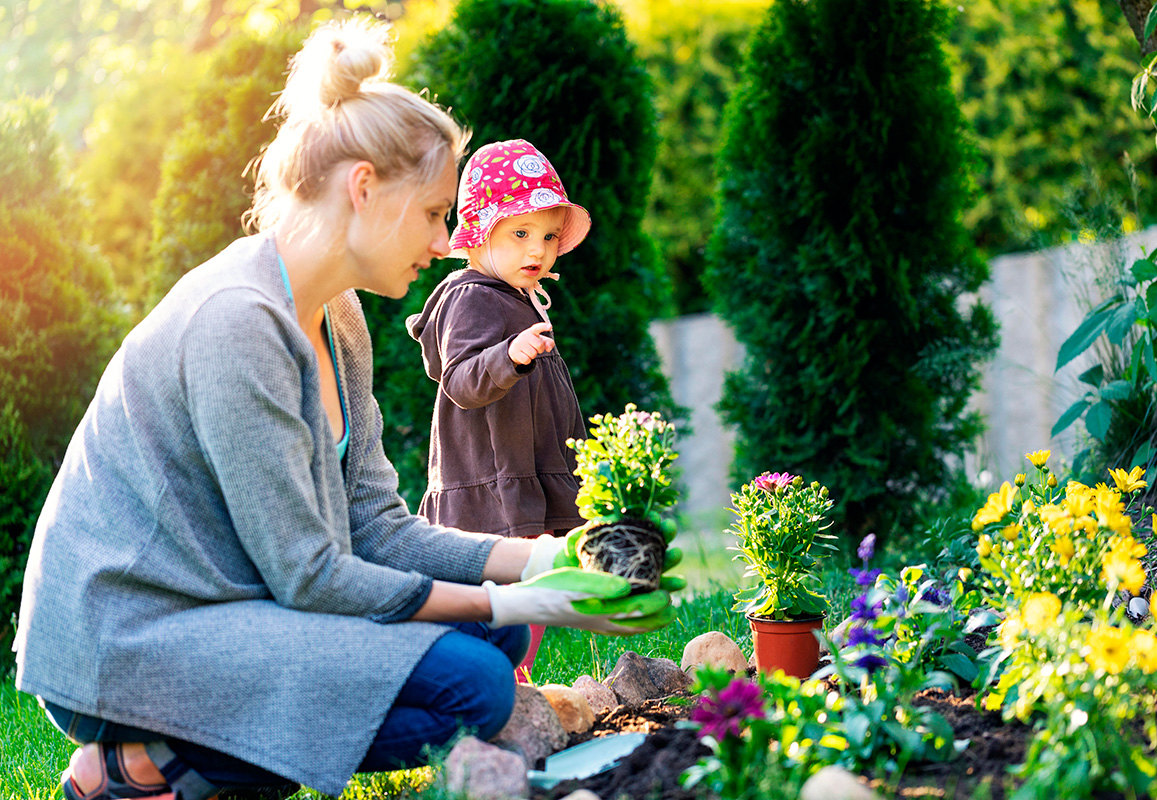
1079,504
1028,506
1010,631
1143,648
996,508
1086,525
1020,479
1056,519
1040,610
1107,648
1118,522
984,546
1038,458
1063,547
1129,481
1121,570
1127,546
1010,532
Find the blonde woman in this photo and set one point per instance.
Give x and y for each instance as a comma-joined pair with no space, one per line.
225,590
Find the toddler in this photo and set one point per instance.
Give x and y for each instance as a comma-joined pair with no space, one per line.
505,404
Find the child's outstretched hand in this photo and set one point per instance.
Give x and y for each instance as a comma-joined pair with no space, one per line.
531,343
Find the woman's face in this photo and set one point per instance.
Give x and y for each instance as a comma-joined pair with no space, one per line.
403,228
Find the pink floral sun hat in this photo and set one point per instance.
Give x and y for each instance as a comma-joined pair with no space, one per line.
505,179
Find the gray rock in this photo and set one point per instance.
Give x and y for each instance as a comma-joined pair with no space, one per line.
636,679
600,697
483,771
714,649
533,729
835,783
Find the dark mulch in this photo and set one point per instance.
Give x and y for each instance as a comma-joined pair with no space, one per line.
652,771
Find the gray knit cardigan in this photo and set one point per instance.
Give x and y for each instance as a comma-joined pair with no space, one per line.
202,567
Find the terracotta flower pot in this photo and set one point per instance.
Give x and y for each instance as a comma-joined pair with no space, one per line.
631,548
790,645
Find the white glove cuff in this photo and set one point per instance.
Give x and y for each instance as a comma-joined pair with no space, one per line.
500,609
542,555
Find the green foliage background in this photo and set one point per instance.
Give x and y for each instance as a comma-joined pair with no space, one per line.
838,256
60,322
1045,90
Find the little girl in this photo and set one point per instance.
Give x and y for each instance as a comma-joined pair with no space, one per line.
505,405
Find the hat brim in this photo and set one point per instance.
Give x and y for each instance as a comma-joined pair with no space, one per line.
575,227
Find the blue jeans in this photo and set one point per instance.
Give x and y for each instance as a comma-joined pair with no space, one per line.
465,680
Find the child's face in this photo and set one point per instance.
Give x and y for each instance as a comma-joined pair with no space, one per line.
521,249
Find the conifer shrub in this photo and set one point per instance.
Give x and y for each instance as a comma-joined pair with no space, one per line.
840,260
204,188
60,323
563,75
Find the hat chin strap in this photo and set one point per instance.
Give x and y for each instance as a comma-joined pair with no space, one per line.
538,296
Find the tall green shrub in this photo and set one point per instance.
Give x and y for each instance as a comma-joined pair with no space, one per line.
204,187
692,52
839,256
120,165
59,324
1045,88
563,75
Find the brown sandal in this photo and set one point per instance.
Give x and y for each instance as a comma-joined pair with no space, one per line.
114,780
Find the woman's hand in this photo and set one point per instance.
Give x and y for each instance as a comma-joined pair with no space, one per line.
531,343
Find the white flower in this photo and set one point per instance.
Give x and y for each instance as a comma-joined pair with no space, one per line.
530,165
544,198
475,174
486,214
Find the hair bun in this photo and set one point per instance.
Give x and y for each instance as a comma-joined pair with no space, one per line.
335,62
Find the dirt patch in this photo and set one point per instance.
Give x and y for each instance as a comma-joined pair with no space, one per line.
653,770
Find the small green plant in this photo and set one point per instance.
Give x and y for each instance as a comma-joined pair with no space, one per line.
625,488
780,526
625,466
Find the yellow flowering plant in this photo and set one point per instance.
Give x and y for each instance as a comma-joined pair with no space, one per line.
1067,660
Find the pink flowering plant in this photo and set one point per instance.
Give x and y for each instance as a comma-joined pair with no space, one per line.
766,734
780,527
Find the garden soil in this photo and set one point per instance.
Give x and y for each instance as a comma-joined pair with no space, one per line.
652,771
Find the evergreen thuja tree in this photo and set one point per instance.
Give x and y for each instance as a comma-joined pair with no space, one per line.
60,323
840,259
563,75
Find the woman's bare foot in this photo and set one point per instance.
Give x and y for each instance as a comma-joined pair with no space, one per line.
88,771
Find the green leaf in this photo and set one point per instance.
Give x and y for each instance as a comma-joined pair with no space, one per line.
1143,269
1084,336
1093,375
960,665
1097,420
1071,415
856,728
1150,24
1121,322
1117,390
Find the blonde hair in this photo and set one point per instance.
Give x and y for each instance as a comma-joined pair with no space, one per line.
340,105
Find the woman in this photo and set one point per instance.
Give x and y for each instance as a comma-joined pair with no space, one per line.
225,589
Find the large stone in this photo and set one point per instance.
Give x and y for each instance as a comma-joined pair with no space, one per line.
533,729
582,794
600,697
713,649
636,679
483,771
835,783
574,711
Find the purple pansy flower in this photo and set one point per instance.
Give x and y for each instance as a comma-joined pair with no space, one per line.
871,662
860,635
723,714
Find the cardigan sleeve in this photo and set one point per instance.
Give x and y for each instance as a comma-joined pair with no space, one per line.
473,344
243,364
